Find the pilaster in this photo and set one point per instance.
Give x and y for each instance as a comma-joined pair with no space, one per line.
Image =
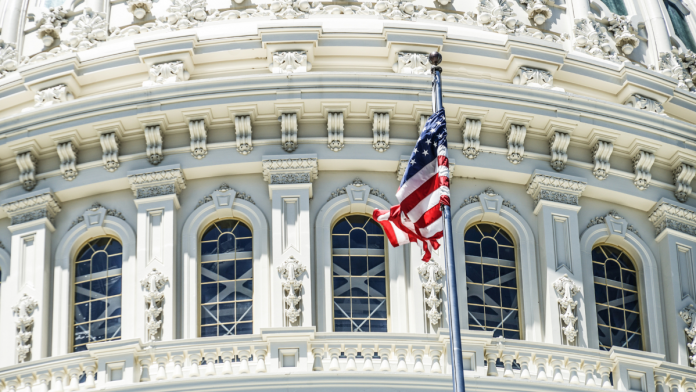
675,230
26,309
155,192
290,188
556,199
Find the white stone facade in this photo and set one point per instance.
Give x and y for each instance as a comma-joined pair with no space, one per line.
149,123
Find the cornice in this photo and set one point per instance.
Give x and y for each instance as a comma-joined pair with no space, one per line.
166,180
32,206
670,214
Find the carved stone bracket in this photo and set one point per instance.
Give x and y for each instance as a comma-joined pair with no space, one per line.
166,73
298,170
642,163
110,144
153,140
566,290
40,204
288,131
335,128
356,183
601,152
471,135
688,314
412,63
290,62
683,175
380,132
152,284
67,153
24,320
169,180
640,102
199,137
242,130
534,77
26,162
558,146
668,215
555,188
515,141
292,287
432,273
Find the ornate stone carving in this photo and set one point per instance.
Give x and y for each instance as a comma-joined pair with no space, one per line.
184,14
468,17
603,219
335,128
688,61
671,64
566,290
591,38
357,182
471,134
153,140
292,287
566,190
90,28
153,283
412,63
490,192
497,16
432,272
288,131
43,205
666,215
537,10
515,140
166,73
688,314
225,188
242,130
558,146
67,153
96,207
625,35
52,95
109,144
27,170
290,171
157,183
380,132
643,103
396,9
24,320
139,8
290,62
642,163
601,152
534,77
50,25
199,136
683,174
8,58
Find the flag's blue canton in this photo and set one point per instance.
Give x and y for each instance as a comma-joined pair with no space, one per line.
434,134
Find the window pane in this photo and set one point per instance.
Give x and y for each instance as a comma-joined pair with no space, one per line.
492,281
226,279
359,270
616,6
681,28
97,275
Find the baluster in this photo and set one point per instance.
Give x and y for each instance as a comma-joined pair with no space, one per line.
351,351
507,358
145,363
573,366
244,360
75,373
689,386
673,384
524,359
557,365
589,369
260,360
367,353
318,351
43,378
604,371
660,382
401,353
57,382
384,365
89,376
161,361
227,357
210,358
418,359
541,363
194,370
491,357
177,359
435,355
334,352
28,382
12,384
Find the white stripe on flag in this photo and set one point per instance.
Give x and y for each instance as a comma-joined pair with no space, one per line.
424,205
432,229
417,180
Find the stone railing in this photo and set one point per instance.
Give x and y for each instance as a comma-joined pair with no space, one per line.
392,359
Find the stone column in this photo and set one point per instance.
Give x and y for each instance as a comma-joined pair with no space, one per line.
26,295
156,193
290,188
556,204
11,21
657,26
675,230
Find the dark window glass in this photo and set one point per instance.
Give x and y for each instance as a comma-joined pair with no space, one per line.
681,27
97,293
616,295
226,279
359,283
616,6
491,281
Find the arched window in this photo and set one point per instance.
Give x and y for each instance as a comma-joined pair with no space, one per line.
616,6
226,279
97,312
616,294
491,281
359,275
681,27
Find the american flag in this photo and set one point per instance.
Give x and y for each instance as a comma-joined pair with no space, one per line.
423,189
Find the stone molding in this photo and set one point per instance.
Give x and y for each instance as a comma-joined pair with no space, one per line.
26,161
683,175
534,77
224,188
288,131
357,183
153,140
487,192
598,220
33,206
555,187
412,63
298,170
166,73
242,130
642,163
666,214
167,180
290,62
380,132
515,140
640,102
558,148
96,207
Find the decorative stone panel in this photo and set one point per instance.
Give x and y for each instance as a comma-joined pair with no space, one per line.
52,95
166,73
24,322
298,170
566,289
555,188
668,215
412,63
637,101
167,180
152,284
537,10
290,270
432,273
139,8
33,206
625,35
534,77
290,62
688,314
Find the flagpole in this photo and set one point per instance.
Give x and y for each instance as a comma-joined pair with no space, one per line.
435,58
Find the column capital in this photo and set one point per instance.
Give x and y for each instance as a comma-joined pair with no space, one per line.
165,180
554,188
670,214
279,169
32,206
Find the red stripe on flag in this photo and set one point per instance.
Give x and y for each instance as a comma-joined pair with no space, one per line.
421,193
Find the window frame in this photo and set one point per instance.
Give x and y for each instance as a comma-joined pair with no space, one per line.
386,271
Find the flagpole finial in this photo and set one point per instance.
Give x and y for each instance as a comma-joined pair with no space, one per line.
435,58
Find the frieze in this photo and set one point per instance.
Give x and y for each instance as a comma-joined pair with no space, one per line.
225,188
95,207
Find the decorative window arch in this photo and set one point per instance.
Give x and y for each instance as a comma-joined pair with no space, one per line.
359,275
491,281
226,279
97,292
680,25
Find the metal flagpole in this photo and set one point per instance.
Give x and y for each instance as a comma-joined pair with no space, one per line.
435,58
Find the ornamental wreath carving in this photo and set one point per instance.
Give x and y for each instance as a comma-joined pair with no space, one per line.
152,284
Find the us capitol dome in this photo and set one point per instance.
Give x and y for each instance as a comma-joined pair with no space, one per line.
187,188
